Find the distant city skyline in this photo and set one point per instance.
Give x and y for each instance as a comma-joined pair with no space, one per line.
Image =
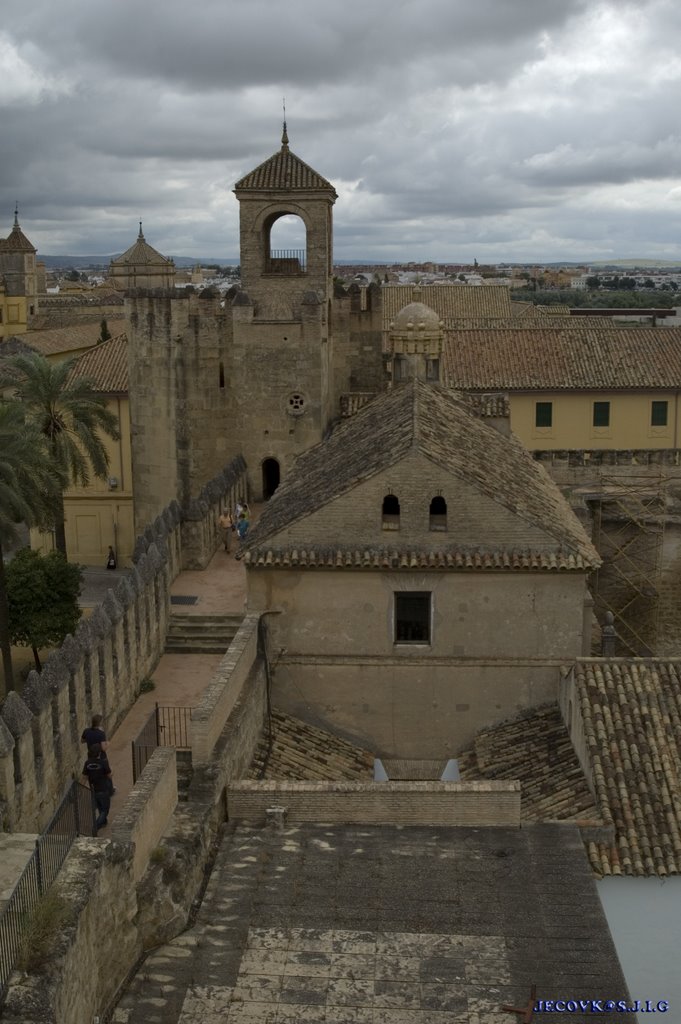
537,131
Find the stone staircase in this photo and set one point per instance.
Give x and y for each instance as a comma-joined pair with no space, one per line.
201,634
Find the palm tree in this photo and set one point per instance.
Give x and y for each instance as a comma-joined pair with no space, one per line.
69,414
28,485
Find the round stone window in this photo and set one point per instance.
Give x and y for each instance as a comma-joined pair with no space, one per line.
296,404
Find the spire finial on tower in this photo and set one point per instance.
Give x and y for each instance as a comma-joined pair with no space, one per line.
284,134
16,214
140,237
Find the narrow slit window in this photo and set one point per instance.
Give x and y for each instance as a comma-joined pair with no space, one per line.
222,376
543,414
391,512
601,414
438,513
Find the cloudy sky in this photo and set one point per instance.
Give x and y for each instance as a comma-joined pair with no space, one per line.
498,130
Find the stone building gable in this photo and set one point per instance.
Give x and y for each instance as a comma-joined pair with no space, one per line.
451,445
476,522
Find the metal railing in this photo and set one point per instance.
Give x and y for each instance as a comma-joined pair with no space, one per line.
165,727
75,816
285,261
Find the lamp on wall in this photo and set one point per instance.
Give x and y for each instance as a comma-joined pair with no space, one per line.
113,483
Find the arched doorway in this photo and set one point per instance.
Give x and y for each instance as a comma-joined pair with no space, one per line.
270,478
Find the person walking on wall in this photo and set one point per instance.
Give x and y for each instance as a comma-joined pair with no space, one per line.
98,773
95,734
226,524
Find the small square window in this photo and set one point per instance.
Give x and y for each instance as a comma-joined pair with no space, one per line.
543,414
412,617
658,414
601,414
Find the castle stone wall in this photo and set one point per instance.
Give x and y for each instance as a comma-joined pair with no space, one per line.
98,670
226,688
378,803
148,809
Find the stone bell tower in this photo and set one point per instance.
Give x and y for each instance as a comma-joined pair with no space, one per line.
281,351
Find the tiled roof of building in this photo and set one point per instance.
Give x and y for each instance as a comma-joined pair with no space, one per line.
631,711
536,749
353,401
141,254
519,323
284,170
303,751
555,310
71,338
494,406
537,358
454,557
106,365
448,300
444,429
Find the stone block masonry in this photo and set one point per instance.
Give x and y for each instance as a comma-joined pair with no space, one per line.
223,692
378,803
148,809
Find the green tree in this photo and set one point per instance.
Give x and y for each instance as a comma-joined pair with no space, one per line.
70,416
42,593
104,332
28,487
593,282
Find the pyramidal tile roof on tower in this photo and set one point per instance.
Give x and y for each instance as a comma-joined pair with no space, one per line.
284,171
141,253
17,241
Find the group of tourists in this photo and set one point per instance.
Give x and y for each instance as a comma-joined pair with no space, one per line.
97,769
237,522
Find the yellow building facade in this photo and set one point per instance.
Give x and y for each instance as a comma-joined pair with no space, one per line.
13,314
550,420
101,514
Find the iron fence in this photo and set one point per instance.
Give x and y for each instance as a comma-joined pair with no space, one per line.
75,816
165,727
287,262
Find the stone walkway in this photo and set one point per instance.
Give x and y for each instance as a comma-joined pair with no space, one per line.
179,679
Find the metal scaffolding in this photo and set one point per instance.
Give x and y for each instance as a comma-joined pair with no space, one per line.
629,523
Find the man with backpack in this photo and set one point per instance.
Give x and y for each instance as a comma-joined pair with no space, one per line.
98,773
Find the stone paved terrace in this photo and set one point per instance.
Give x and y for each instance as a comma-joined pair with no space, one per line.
384,925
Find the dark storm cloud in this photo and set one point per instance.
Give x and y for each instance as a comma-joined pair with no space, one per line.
443,124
